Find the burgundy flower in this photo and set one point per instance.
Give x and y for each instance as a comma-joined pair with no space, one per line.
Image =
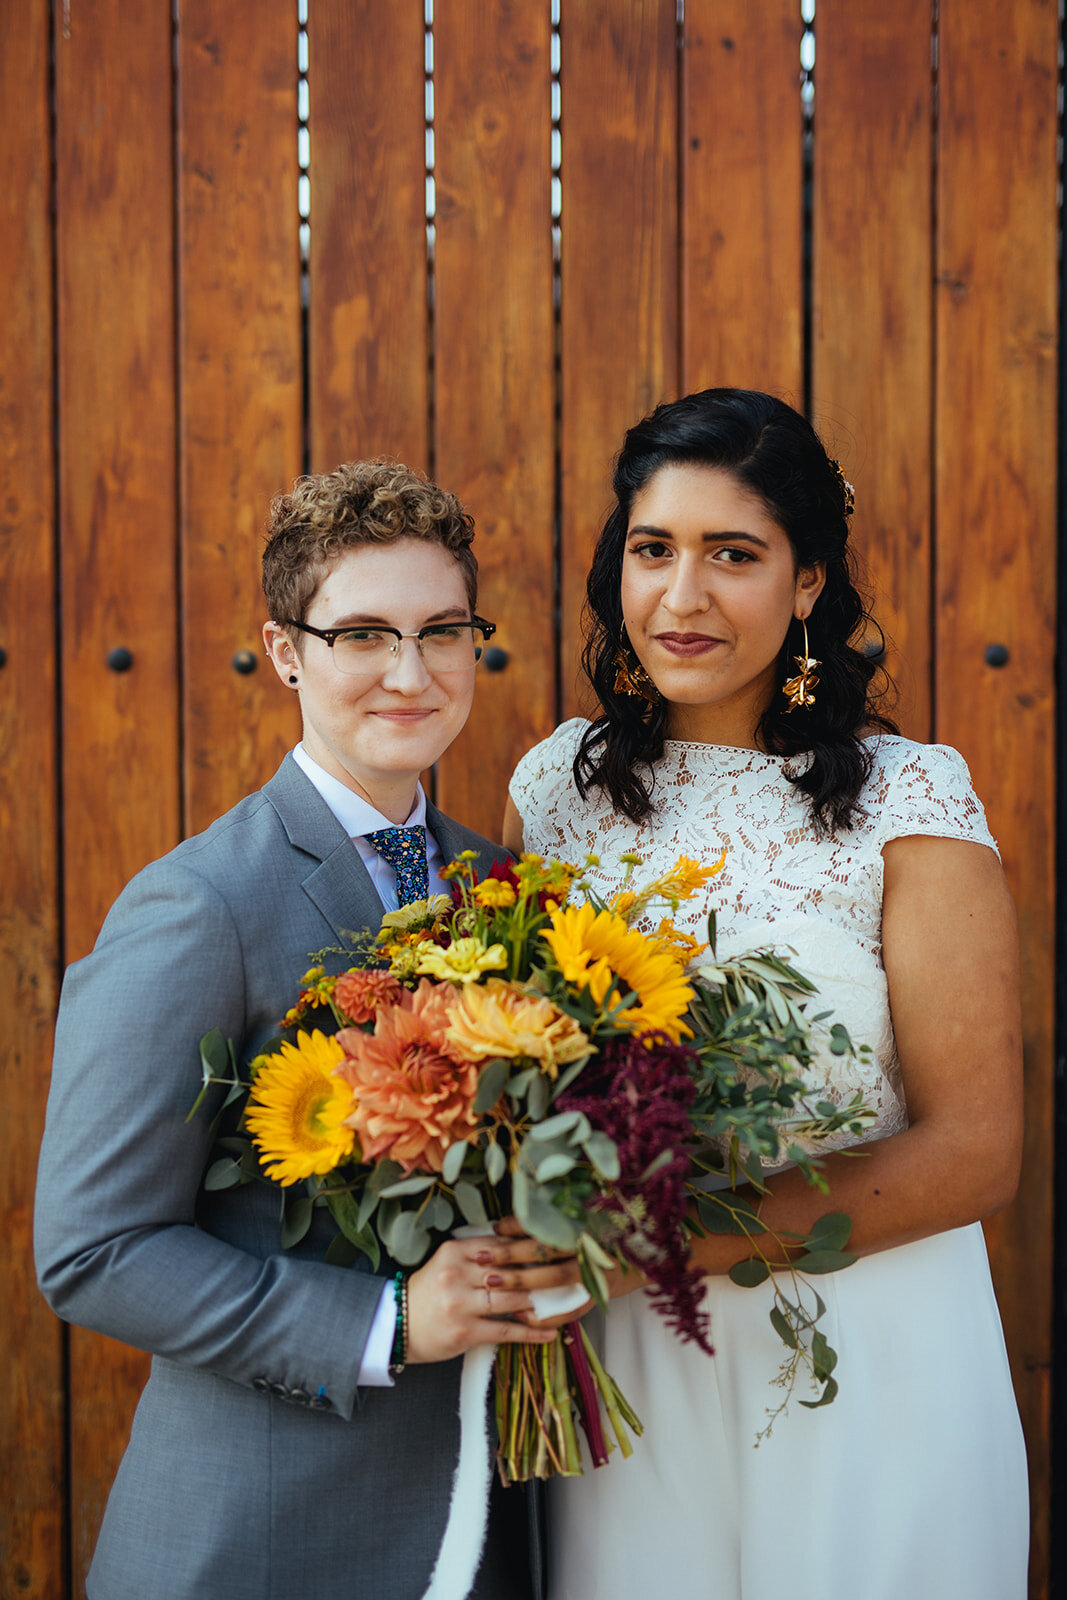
638,1092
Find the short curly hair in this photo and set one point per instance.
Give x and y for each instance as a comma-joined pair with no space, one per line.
360,502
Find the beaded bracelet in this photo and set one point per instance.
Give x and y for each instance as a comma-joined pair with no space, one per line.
400,1334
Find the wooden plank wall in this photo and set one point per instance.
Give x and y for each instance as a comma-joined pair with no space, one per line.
159,301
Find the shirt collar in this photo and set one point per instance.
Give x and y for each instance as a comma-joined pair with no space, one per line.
356,815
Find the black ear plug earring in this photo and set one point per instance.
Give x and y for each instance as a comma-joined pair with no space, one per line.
292,679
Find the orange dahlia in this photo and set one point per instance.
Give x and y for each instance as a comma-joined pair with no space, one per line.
414,1089
360,992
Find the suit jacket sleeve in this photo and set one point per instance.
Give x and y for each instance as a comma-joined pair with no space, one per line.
118,1245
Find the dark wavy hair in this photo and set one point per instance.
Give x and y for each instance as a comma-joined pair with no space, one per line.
775,453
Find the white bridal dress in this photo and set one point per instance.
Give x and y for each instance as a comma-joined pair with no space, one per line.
911,1485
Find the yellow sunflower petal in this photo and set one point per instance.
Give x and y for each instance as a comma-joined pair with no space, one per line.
296,1108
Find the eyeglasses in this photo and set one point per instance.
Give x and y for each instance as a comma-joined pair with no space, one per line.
443,646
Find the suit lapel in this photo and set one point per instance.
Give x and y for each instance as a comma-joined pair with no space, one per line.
337,882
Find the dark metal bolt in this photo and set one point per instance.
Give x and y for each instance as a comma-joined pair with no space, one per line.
495,659
120,659
244,662
996,655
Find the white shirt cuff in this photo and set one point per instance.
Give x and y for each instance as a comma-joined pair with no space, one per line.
374,1371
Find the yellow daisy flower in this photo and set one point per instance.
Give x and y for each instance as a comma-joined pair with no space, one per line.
494,892
683,946
464,961
296,1109
498,1019
596,950
687,877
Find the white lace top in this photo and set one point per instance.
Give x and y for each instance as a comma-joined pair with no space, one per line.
816,900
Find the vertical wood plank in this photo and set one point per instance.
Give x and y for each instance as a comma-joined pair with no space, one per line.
240,381
742,197
996,527
494,341
32,1419
368,316
872,367
118,557
620,268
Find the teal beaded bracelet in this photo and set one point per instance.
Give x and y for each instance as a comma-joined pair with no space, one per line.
400,1334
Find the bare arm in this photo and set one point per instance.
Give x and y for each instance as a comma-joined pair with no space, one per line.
511,829
951,960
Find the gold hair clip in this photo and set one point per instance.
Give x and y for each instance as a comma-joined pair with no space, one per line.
849,491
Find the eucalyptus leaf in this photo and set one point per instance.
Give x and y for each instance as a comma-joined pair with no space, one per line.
749,1274
296,1221
711,931
782,1327
491,1083
840,1043
469,1202
567,1077
496,1163
452,1165
415,1185
341,1252
216,1057
537,1098
556,1165
591,1247
517,1086
574,1123
385,1173
226,1173
823,1356
409,1242
539,1216
831,1232
438,1214
818,1261
827,1397
603,1153
345,1213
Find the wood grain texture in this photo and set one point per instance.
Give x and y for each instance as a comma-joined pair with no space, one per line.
369,390
996,532
115,257
619,336
240,381
494,437
872,333
742,159
32,1404
872,356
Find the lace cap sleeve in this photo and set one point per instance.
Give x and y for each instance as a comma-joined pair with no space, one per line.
542,769
927,789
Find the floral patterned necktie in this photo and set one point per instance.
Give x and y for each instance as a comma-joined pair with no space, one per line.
405,851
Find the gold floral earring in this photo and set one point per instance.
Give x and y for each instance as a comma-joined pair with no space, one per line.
800,691
630,676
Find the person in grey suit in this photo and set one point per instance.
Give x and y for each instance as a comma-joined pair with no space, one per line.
277,1453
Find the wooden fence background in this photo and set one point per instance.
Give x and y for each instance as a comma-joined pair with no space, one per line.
629,200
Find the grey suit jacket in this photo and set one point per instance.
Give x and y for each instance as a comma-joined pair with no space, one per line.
255,1470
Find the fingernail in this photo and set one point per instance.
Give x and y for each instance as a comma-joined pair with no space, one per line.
483,1257
493,1280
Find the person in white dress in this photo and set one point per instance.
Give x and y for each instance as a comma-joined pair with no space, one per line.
737,712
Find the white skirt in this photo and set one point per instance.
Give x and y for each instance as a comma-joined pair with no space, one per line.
911,1484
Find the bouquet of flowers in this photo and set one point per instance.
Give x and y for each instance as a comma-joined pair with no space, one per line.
524,1047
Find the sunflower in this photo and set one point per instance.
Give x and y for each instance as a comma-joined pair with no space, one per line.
296,1108
595,950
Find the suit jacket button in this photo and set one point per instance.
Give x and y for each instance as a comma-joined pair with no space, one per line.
281,1390
301,1396
261,1384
